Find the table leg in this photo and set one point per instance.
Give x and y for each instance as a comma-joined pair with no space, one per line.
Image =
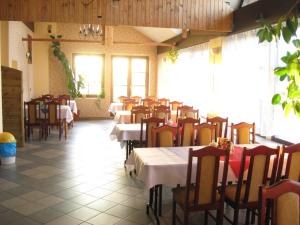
154,205
160,200
65,128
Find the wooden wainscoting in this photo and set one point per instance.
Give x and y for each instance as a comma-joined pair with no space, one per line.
12,103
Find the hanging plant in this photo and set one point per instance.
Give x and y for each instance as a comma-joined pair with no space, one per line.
172,54
286,28
99,97
73,86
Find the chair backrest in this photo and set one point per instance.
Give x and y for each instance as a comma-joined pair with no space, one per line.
163,101
165,136
32,111
47,97
148,102
137,114
128,104
205,133
289,164
256,162
186,112
162,112
243,133
207,177
53,113
175,104
64,99
151,123
221,126
187,131
122,98
285,203
137,99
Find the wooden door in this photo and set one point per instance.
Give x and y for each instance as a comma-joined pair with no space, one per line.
12,103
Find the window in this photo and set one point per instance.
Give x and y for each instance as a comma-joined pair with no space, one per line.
130,76
91,68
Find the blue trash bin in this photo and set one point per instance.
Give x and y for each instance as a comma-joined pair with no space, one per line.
8,148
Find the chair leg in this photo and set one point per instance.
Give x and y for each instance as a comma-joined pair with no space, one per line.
220,214
205,217
236,217
186,217
248,216
253,217
174,213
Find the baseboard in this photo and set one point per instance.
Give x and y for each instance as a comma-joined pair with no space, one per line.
95,118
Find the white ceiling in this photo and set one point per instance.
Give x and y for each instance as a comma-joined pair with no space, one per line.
158,34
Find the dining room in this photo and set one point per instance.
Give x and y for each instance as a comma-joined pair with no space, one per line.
143,112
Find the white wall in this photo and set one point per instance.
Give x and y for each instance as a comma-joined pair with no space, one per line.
17,53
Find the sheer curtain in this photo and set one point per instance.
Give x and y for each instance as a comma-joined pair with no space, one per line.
241,87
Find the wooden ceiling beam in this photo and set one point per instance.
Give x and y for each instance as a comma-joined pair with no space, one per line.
210,15
246,18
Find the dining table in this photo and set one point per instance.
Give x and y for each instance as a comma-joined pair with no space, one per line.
127,133
114,107
157,166
73,106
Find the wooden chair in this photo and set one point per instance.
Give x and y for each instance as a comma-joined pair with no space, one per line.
165,136
205,133
162,112
32,118
187,112
137,99
122,98
244,133
244,194
137,114
290,155
150,123
175,105
65,99
221,126
47,97
163,101
285,200
149,103
129,104
53,118
202,194
187,127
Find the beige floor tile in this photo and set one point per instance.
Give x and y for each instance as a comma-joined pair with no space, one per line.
117,197
34,195
13,203
50,201
104,219
84,213
29,208
65,220
83,199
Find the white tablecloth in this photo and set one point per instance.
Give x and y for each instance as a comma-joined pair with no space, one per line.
66,113
127,132
73,106
123,116
167,166
115,107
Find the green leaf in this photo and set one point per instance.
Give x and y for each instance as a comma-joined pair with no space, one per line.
297,108
276,99
290,26
292,88
280,71
287,109
287,35
282,78
296,43
295,94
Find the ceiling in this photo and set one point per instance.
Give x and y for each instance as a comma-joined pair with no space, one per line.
158,34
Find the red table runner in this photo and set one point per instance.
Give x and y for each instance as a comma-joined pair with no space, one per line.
235,160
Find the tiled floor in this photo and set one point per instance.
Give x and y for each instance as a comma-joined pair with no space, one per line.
78,181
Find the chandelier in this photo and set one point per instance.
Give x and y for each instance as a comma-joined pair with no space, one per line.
90,30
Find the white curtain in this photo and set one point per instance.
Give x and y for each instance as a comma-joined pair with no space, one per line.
241,87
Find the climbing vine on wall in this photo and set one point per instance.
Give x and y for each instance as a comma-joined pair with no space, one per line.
73,86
